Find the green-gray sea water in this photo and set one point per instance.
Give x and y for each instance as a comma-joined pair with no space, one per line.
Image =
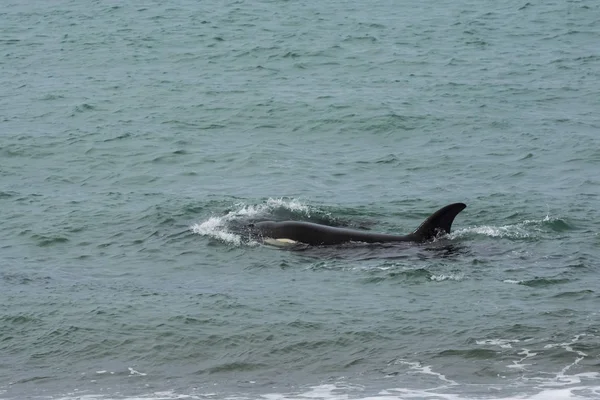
135,136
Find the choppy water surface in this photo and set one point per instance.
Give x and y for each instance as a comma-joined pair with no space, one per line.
136,138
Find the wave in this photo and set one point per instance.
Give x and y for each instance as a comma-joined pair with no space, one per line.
580,386
527,229
223,227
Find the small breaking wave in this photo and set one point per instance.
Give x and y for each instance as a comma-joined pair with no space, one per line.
528,229
216,228
223,229
577,387
447,277
524,377
508,231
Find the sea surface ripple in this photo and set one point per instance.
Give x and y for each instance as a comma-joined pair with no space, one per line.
137,137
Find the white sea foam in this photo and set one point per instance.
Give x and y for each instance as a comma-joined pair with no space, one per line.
531,385
426,370
448,391
561,378
134,372
447,277
216,226
167,395
534,386
518,364
290,204
503,343
517,231
525,229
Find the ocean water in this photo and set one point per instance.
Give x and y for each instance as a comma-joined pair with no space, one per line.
137,137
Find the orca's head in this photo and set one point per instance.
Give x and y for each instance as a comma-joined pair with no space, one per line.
264,228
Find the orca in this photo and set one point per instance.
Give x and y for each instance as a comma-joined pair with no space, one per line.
289,232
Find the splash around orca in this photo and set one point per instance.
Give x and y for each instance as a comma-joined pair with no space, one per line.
287,232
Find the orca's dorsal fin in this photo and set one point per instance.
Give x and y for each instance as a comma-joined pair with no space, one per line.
438,223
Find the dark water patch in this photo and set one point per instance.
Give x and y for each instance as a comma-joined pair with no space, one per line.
50,96
525,6
354,362
186,124
119,137
76,229
393,122
544,282
581,294
560,353
586,343
235,367
7,194
593,57
187,320
137,180
53,340
577,266
562,313
21,278
354,252
529,155
419,275
170,158
522,330
36,379
389,159
441,248
291,54
477,354
478,43
371,25
367,38
306,347
20,319
83,108
558,225
58,179
211,126
48,240
305,325
12,151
